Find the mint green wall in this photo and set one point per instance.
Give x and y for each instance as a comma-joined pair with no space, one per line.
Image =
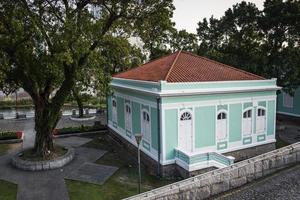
235,122
171,133
205,120
247,105
120,112
136,118
154,124
271,117
296,106
222,107
136,94
215,97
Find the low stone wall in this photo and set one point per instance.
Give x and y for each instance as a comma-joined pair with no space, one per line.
43,165
217,181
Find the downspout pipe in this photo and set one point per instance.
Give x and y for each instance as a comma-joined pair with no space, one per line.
158,136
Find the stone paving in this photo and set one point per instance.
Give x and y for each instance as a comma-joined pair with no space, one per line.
45,185
92,173
73,141
280,186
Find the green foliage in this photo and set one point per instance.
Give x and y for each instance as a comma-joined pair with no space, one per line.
50,47
263,42
8,135
8,190
182,40
82,128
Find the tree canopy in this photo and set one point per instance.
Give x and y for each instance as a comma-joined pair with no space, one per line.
44,45
263,42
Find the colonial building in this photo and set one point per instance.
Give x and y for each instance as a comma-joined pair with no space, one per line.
193,112
289,105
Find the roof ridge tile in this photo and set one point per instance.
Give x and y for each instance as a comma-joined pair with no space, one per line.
170,70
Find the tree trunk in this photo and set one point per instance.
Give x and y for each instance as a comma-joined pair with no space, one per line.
79,102
45,121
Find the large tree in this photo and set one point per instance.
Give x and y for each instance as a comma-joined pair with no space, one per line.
264,42
45,44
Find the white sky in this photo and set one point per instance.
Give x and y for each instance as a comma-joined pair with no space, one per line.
189,12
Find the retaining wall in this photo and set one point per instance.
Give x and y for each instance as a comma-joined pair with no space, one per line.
217,181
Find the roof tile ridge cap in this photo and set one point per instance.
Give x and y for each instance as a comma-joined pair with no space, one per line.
141,65
234,68
174,62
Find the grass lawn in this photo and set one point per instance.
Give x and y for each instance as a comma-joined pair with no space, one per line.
4,148
8,191
280,143
122,184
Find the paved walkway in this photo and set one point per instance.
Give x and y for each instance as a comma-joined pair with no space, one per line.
27,126
45,185
280,186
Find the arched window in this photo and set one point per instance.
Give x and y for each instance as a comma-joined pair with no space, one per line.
261,120
146,126
186,116
222,126
114,110
247,122
128,115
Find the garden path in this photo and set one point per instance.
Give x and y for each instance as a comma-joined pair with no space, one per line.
45,185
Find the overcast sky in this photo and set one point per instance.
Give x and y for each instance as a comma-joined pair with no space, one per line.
189,12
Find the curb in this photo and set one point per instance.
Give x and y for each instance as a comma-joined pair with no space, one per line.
43,165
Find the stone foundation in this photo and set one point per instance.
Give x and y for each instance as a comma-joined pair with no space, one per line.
166,171
174,171
251,152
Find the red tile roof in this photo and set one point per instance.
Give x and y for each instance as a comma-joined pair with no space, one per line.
186,67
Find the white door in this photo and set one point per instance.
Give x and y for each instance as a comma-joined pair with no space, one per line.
146,126
128,117
222,126
247,122
114,110
185,132
260,120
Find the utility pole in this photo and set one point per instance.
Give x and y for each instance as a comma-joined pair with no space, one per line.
138,138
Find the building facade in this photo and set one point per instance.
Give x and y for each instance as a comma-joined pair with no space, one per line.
193,112
289,105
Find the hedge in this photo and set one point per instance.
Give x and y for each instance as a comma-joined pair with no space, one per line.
8,135
82,128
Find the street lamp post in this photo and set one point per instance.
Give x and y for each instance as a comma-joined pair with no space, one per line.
138,138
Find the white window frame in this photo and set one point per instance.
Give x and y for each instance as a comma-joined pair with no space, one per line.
261,120
227,125
145,136
114,110
288,100
128,117
245,120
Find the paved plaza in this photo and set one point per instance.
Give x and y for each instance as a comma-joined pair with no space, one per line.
49,185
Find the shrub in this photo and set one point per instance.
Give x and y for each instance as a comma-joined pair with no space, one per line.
79,129
8,135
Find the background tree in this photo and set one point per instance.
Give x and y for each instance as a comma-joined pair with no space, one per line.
183,40
117,55
45,44
263,42
155,30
